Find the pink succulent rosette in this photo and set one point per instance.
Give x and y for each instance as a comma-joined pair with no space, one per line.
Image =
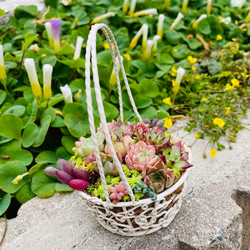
141,156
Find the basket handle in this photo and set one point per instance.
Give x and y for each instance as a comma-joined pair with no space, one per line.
91,51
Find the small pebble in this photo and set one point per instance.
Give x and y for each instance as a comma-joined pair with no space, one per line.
219,238
212,241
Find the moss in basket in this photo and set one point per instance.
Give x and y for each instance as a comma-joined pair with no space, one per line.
133,176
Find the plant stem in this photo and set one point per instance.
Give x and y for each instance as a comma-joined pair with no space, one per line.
202,42
193,142
204,153
1,20
21,63
73,73
5,230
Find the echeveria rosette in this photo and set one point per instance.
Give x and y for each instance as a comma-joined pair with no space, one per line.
121,129
160,179
141,156
85,147
154,136
175,158
107,162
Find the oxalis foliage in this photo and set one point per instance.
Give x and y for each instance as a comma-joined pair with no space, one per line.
214,90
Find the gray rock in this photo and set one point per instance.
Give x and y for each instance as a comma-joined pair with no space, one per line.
9,6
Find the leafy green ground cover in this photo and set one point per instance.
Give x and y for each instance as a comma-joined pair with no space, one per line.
37,130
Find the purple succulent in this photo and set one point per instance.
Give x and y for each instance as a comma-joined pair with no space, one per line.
154,136
175,158
79,184
50,171
155,122
66,173
64,177
121,129
160,179
66,166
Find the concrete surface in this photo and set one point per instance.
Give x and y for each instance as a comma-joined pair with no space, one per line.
216,202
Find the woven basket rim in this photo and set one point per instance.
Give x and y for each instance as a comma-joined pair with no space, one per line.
165,193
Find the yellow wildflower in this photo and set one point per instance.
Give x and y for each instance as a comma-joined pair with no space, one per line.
168,122
174,70
127,55
229,87
167,101
218,121
191,119
193,68
213,153
204,99
235,82
218,99
218,37
175,50
191,59
227,111
197,77
197,136
173,82
106,46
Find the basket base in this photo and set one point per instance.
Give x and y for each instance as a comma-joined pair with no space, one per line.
140,219
151,228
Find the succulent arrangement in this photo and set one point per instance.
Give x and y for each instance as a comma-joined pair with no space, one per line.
152,161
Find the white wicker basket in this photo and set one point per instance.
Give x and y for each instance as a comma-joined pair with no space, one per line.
125,218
